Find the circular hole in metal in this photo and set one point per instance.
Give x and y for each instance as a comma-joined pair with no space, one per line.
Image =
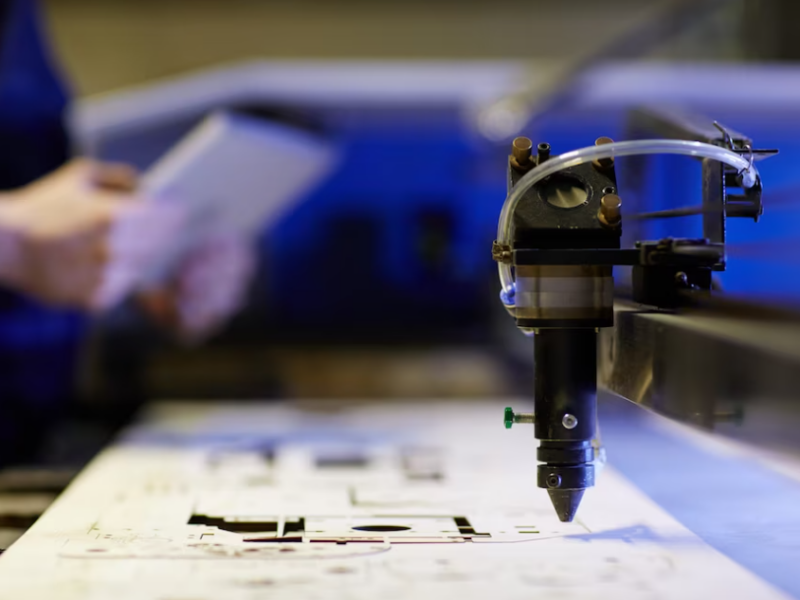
564,192
382,528
608,190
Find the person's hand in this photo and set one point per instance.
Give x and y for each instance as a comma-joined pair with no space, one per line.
209,288
55,233
80,237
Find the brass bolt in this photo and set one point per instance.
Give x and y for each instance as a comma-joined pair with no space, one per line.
603,163
610,214
501,252
521,149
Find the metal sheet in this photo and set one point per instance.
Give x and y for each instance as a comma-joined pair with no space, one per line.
365,481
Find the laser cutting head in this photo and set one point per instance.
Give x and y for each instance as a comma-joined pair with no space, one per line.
561,302
558,240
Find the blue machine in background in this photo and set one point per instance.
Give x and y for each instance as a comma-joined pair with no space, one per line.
395,242
396,245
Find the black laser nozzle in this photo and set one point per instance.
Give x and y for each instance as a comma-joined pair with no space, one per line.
566,503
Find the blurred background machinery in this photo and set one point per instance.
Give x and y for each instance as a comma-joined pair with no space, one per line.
108,45
377,284
391,251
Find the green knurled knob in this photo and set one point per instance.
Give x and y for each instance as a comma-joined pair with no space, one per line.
508,417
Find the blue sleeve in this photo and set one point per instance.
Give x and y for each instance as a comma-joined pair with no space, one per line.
33,100
38,346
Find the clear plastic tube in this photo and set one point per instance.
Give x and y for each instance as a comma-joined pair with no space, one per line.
747,171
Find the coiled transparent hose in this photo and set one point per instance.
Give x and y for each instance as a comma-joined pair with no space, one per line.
743,164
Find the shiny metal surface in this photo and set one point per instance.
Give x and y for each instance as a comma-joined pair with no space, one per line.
580,291
736,375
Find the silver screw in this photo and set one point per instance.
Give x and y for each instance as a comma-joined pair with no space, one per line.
524,418
569,421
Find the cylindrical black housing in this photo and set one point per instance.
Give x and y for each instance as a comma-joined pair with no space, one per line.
565,406
565,383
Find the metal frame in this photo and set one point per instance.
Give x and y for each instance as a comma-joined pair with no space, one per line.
731,367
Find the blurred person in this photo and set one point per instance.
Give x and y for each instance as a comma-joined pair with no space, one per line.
56,219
